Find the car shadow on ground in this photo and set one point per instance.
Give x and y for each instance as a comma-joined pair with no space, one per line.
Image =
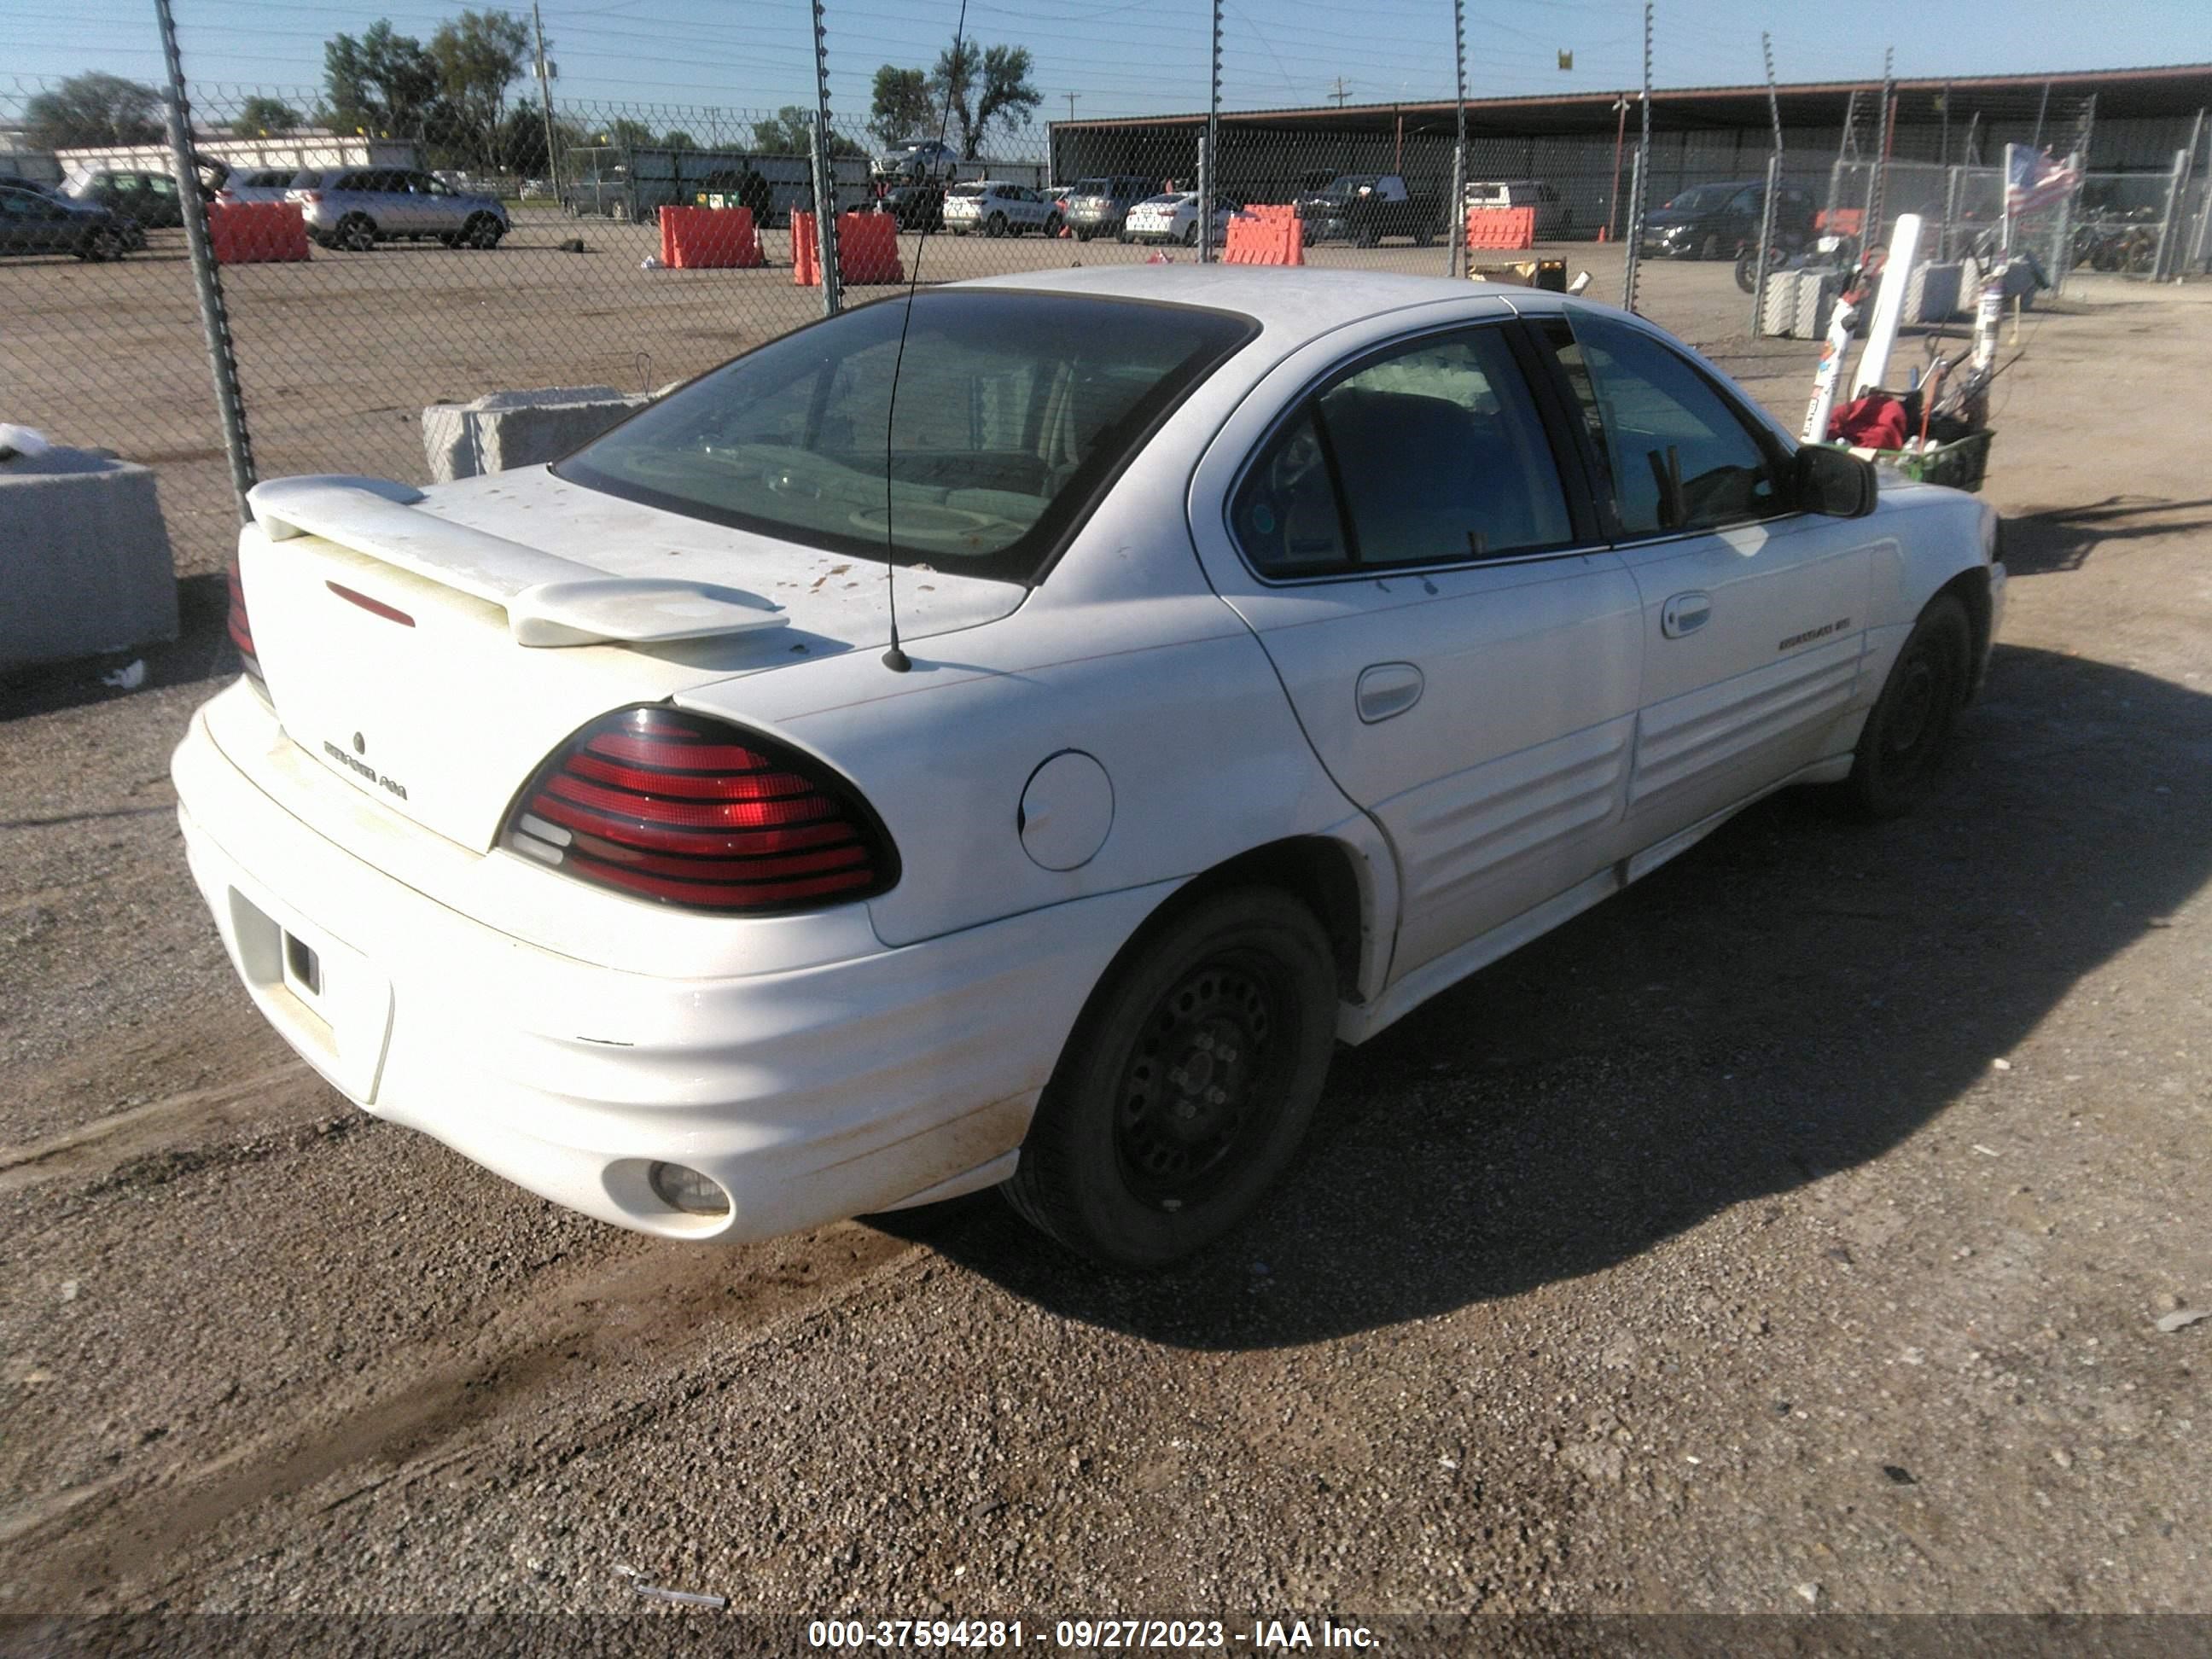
1794,997
2063,538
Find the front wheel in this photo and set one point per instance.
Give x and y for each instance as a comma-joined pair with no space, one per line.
482,231
995,226
101,245
1190,234
1052,225
1746,265
1900,751
355,234
1187,1084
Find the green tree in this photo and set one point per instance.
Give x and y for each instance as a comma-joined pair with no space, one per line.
678,140
789,132
94,108
983,85
479,56
902,107
626,134
520,147
384,82
262,116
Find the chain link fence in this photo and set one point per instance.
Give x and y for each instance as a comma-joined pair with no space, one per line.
374,265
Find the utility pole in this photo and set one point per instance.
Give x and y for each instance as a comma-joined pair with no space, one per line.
1340,93
1071,98
545,100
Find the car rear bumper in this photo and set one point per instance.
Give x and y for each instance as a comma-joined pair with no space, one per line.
809,1095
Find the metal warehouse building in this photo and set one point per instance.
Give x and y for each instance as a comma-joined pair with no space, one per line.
2133,121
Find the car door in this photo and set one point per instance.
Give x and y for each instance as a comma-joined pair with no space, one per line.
1459,651
1754,613
22,222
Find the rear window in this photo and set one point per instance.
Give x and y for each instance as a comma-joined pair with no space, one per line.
1013,411
1094,187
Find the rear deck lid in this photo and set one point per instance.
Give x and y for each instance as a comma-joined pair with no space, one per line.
433,646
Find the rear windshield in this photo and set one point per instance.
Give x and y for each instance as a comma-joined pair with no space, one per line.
1094,187
1014,410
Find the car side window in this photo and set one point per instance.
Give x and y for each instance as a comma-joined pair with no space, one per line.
1430,454
1674,455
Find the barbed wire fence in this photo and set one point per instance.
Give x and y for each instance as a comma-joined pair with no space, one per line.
418,250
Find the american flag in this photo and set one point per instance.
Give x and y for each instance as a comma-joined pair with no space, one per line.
2034,181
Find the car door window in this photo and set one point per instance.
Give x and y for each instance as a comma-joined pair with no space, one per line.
1672,452
161,184
1432,453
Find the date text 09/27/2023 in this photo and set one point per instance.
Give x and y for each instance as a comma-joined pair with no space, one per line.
1264,1635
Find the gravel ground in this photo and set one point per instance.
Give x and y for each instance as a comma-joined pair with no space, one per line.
1788,1235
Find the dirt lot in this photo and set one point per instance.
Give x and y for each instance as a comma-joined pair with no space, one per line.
1786,1235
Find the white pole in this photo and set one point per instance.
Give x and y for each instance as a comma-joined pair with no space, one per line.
1889,304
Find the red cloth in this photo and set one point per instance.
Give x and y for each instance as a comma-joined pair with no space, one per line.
1874,422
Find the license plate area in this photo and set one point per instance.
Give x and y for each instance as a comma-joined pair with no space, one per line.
324,997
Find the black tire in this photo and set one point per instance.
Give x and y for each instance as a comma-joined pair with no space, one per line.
1083,235
1190,234
1900,752
483,231
1123,236
1367,236
356,232
1052,225
1148,1145
103,243
1709,248
995,226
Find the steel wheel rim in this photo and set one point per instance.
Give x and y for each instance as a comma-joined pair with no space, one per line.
1193,1096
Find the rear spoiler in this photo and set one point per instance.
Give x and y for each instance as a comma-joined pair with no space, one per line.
548,600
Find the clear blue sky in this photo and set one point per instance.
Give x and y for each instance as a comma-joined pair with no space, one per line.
1127,56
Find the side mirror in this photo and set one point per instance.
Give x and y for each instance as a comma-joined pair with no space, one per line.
1834,483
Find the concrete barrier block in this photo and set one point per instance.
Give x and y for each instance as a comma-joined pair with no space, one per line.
1932,292
1796,302
502,430
85,564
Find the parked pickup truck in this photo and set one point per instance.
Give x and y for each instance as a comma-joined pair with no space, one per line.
1365,207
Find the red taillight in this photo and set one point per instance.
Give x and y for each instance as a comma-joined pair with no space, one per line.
241,628
687,811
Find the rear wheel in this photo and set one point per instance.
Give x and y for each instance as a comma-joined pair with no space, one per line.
103,244
1900,752
1052,224
356,231
1190,234
1082,236
996,225
1187,1084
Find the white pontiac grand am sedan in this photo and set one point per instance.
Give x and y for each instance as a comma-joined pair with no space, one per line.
1280,646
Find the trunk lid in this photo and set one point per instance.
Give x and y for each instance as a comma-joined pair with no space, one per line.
432,647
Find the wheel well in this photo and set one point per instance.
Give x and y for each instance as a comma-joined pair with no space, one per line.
1971,589
1319,873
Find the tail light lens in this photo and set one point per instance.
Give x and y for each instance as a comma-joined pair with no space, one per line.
689,811
241,628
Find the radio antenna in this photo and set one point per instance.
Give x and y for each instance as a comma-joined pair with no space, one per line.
894,658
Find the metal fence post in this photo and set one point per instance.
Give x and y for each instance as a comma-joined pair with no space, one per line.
2162,261
825,174
1950,208
1206,171
1637,181
1765,241
1455,204
215,319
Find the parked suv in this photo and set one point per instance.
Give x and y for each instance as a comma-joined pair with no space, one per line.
259,185
1101,206
1554,220
1718,222
150,198
997,208
357,208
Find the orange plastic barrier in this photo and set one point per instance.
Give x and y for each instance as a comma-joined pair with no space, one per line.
1266,236
1507,228
867,249
805,253
254,232
709,238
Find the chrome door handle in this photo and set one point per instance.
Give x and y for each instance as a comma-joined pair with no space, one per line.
1685,613
1388,689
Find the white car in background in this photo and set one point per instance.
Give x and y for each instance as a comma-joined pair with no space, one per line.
1276,649
992,207
1173,218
